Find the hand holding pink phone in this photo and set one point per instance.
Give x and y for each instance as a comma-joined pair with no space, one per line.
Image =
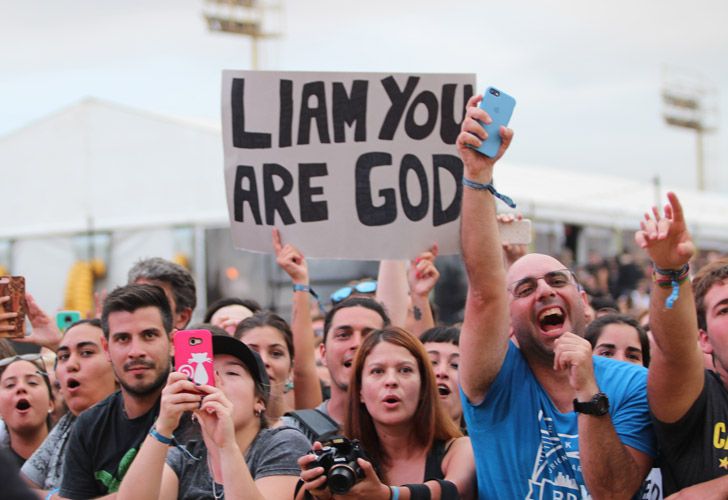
193,355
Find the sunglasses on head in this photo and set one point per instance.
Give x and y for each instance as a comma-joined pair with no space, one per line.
364,287
32,357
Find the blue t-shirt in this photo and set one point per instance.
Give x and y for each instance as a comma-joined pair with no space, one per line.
525,448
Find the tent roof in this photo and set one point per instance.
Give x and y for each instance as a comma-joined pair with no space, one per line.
113,167
102,164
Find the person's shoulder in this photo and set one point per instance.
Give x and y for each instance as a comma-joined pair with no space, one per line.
100,409
611,367
274,436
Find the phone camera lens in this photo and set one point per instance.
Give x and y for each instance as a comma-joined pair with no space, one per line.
494,92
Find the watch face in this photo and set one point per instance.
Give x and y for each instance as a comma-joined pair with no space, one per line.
601,405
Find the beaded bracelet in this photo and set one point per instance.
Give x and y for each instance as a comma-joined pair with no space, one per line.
670,278
478,186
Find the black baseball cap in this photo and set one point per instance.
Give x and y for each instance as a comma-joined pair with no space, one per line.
225,344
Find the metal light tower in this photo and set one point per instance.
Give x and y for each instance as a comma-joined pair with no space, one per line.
686,103
250,18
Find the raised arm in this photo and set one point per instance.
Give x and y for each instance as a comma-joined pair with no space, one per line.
676,370
149,477
307,390
422,276
392,290
484,335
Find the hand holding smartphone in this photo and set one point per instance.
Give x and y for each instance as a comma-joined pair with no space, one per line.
64,319
13,307
193,355
499,107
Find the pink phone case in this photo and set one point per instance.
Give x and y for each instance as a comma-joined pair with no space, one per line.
193,355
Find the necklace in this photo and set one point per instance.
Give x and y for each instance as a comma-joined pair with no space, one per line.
214,491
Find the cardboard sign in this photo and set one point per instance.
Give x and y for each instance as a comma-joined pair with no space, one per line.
345,165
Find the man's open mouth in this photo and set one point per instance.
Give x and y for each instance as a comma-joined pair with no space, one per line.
551,318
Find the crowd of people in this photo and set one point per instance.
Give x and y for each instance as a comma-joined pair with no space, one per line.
369,397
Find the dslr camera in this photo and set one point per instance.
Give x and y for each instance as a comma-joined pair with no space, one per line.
338,458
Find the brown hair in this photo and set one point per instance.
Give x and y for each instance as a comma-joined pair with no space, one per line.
430,422
706,277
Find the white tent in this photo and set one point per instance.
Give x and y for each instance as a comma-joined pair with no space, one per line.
138,176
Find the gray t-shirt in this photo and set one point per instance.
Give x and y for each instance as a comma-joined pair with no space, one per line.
45,465
274,452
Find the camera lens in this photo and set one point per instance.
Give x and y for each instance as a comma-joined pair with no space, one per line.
68,319
340,479
494,92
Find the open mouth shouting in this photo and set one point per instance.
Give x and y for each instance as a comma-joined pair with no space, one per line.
391,401
443,390
23,405
551,320
72,384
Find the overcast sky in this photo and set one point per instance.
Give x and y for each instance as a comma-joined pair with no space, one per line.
586,75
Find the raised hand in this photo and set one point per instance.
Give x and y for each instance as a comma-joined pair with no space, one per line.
216,417
422,275
6,323
666,238
178,396
45,332
473,134
290,259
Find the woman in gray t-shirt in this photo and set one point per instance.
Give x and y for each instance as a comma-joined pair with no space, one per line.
238,457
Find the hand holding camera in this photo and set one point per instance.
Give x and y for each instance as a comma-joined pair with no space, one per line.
340,466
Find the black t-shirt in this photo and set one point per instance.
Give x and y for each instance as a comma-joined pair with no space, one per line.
695,448
101,448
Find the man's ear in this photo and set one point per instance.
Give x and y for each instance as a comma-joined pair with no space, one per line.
704,342
105,347
183,318
322,352
171,341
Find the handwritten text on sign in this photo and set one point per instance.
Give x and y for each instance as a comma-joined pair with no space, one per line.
346,165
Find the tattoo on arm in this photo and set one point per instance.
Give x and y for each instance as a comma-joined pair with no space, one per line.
417,313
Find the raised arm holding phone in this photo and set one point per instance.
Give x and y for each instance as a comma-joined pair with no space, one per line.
560,422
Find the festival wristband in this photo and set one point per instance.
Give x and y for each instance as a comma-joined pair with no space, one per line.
670,278
488,187
169,441
297,287
394,493
51,493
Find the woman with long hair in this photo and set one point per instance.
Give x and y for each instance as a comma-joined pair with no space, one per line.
395,413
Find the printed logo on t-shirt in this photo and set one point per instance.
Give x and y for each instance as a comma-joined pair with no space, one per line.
111,481
557,468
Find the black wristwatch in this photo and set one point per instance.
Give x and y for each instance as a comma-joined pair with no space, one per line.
599,405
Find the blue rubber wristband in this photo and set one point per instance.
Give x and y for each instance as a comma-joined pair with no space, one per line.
394,492
169,441
488,187
51,493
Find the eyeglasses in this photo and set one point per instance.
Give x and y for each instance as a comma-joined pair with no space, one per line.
555,279
345,292
32,357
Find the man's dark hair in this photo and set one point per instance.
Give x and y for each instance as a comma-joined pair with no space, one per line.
250,304
179,278
441,335
129,298
93,322
365,302
705,278
595,328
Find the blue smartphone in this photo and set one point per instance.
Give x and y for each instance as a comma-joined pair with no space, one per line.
499,106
